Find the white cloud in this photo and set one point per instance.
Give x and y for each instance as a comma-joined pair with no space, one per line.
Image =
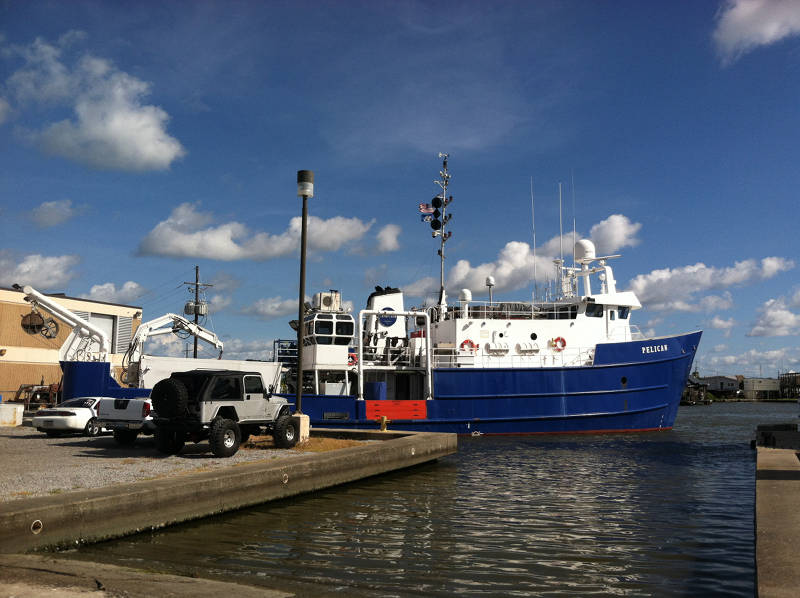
5,110
720,324
272,307
755,361
744,25
127,293
614,233
513,268
238,349
53,213
217,303
112,127
387,238
186,234
776,319
675,289
40,271
171,345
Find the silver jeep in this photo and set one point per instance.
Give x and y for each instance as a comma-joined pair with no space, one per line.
224,406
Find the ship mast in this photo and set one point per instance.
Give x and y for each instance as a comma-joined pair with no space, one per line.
438,219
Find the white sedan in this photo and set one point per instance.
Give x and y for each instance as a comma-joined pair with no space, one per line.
74,415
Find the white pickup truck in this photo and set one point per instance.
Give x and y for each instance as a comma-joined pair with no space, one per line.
127,418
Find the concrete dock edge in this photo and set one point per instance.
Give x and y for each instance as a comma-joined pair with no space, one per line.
777,521
102,513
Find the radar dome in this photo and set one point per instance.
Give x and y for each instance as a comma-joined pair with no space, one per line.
466,295
584,251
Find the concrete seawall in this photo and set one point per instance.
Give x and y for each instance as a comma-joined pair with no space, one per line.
777,522
102,513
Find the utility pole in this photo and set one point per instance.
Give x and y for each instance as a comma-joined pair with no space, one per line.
196,307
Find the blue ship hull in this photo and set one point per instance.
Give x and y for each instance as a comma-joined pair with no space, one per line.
631,387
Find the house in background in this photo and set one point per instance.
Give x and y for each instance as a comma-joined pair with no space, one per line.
721,385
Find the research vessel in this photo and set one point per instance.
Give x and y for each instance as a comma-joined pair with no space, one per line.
568,365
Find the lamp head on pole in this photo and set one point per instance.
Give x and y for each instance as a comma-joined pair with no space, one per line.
305,183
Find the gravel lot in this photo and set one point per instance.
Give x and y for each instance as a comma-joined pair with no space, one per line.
36,465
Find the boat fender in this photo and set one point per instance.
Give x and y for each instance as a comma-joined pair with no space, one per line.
468,345
558,344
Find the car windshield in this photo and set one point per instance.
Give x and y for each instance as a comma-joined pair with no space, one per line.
78,403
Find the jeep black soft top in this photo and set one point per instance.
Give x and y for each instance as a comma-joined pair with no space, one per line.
196,380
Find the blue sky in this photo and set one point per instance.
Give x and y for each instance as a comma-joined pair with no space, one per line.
142,139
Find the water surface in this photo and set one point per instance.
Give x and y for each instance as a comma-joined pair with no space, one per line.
652,514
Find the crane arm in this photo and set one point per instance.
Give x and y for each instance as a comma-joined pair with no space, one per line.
177,323
81,329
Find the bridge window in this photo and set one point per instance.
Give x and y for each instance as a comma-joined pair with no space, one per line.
594,310
323,328
344,328
624,312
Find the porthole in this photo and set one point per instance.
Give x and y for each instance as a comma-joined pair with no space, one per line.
533,336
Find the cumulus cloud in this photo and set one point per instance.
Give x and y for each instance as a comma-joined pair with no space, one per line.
239,349
272,307
676,289
744,25
112,126
188,232
5,110
217,303
52,213
777,319
44,273
387,238
127,293
614,233
171,345
720,324
749,361
513,268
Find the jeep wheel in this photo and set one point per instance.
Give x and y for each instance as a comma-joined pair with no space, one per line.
225,437
169,442
125,437
286,432
170,398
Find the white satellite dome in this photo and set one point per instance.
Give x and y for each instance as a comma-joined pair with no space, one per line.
584,251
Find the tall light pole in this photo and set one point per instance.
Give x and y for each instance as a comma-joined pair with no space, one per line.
305,189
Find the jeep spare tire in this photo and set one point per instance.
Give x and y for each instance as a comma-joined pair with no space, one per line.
170,398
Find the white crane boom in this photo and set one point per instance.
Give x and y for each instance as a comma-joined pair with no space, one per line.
73,349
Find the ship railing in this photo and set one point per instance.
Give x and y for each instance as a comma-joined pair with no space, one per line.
391,357
508,310
570,357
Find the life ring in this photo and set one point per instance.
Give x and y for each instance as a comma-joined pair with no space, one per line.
558,344
468,345
352,359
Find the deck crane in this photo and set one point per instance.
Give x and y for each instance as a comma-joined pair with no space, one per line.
85,336
157,327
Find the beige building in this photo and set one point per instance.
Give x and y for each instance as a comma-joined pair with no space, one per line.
761,389
32,358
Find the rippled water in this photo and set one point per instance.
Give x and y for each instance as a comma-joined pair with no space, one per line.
655,514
